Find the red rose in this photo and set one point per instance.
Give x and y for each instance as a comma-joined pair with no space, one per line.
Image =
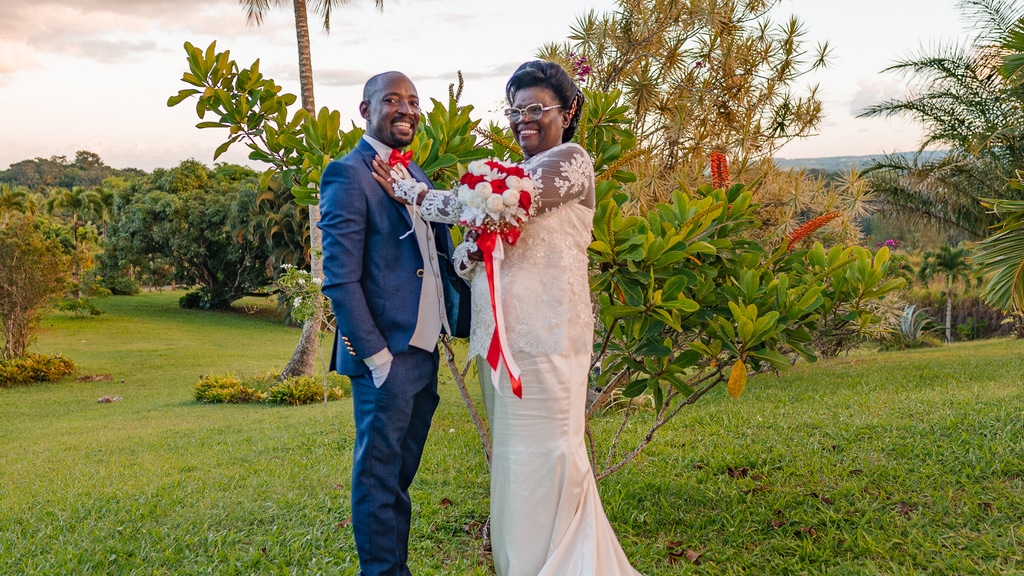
471,180
499,186
525,201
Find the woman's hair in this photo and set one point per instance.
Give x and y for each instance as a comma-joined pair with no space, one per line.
553,77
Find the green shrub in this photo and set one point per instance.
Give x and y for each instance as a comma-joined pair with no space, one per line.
264,387
80,306
301,390
34,368
226,388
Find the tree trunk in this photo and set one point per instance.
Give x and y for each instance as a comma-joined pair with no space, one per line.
949,312
304,358
305,61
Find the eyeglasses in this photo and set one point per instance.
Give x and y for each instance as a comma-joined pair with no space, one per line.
533,112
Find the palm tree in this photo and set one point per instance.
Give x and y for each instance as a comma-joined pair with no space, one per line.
1003,254
12,200
303,359
967,107
954,264
77,203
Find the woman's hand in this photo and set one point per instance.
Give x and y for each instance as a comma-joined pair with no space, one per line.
467,255
475,255
386,176
397,182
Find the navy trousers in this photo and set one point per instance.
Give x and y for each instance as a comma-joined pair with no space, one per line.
391,429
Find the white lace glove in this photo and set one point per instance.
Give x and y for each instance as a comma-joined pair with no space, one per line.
464,267
408,189
405,186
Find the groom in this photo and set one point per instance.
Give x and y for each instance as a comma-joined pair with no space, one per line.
389,277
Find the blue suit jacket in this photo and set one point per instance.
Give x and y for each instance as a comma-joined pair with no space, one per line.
372,274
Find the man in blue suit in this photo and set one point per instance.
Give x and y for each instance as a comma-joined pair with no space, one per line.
387,273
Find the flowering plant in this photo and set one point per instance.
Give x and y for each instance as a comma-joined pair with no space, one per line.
497,197
808,228
303,290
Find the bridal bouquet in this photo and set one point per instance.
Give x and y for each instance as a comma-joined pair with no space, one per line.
497,197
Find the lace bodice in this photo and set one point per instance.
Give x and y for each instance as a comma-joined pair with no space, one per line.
545,289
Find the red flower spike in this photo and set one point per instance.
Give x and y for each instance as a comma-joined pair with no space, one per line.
809,227
719,170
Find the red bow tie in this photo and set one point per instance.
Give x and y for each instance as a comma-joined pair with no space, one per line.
402,158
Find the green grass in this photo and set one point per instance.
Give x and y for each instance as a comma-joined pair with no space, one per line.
897,463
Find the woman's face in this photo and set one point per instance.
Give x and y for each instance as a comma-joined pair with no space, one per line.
544,133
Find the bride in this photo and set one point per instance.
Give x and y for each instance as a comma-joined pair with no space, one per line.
546,513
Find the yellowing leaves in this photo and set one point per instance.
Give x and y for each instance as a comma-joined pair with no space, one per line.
737,379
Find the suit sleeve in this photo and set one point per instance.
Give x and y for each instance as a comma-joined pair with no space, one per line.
343,221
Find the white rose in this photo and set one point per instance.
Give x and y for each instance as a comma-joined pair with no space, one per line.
484,190
526,185
510,197
495,203
513,182
477,167
465,194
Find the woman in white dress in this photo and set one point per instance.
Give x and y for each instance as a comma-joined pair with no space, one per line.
546,513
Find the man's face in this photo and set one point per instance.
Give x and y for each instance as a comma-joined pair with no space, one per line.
392,111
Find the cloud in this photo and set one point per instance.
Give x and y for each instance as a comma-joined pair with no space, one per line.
872,91
342,78
109,31
101,49
16,55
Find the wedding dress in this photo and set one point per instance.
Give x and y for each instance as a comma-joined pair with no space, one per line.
546,513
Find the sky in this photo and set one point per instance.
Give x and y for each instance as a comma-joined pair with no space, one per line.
96,74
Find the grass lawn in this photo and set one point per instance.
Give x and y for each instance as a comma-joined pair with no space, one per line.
896,463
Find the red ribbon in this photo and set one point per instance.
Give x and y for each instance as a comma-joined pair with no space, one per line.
488,242
399,157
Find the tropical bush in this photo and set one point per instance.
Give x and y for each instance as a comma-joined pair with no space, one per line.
688,301
267,388
31,368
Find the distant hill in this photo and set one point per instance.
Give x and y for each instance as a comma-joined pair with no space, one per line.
842,163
